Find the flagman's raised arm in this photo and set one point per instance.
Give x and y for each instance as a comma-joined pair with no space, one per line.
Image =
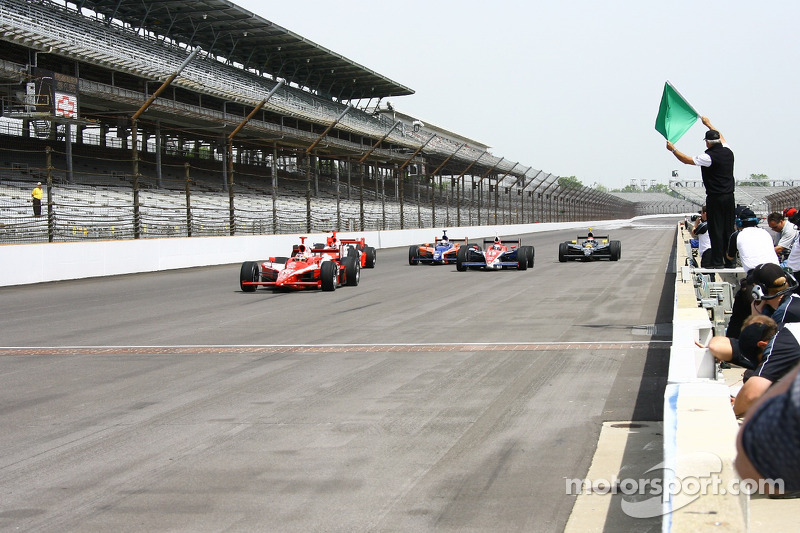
683,158
707,124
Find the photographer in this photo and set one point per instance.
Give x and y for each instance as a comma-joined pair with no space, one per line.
700,232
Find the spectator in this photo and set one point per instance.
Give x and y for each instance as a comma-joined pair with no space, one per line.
716,167
768,443
793,261
785,234
752,244
774,293
757,330
36,195
754,247
700,232
780,355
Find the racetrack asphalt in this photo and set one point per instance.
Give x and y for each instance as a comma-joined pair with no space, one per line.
423,399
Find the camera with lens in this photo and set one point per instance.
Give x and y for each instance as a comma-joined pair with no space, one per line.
695,217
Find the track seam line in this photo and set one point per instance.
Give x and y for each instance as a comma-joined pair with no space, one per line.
329,348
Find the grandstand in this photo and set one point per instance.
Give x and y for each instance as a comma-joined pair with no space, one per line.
135,103
761,196
657,203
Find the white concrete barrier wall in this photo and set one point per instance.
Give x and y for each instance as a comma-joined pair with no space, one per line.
699,425
36,263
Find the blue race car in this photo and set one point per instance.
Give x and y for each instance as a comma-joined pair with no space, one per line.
441,251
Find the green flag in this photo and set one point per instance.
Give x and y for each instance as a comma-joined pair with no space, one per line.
675,115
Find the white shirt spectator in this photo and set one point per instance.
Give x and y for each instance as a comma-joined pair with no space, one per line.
793,261
754,246
786,237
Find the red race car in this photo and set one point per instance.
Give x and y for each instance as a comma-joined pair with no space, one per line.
367,254
322,267
497,255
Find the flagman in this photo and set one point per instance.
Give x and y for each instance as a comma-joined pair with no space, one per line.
716,167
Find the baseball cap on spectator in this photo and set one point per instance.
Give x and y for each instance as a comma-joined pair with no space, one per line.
746,349
712,135
771,278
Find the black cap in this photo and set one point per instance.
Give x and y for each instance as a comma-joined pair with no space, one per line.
769,276
712,135
745,350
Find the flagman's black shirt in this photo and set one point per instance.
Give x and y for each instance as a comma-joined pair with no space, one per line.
718,178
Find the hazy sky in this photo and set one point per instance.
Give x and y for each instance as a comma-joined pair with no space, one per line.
572,87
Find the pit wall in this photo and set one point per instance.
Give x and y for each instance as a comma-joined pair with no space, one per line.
699,425
23,264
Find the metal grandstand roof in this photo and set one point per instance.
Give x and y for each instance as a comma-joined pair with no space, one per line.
228,31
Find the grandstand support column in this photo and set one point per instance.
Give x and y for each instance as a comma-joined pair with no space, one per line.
159,175
471,198
314,162
496,200
225,165
398,179
188,200
362,170
137,218
480,199
349,165
383,196
275,188
50,215
335,169
307,165
418,187
378,182
490,198
507,218
433,200
68,150
231,207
